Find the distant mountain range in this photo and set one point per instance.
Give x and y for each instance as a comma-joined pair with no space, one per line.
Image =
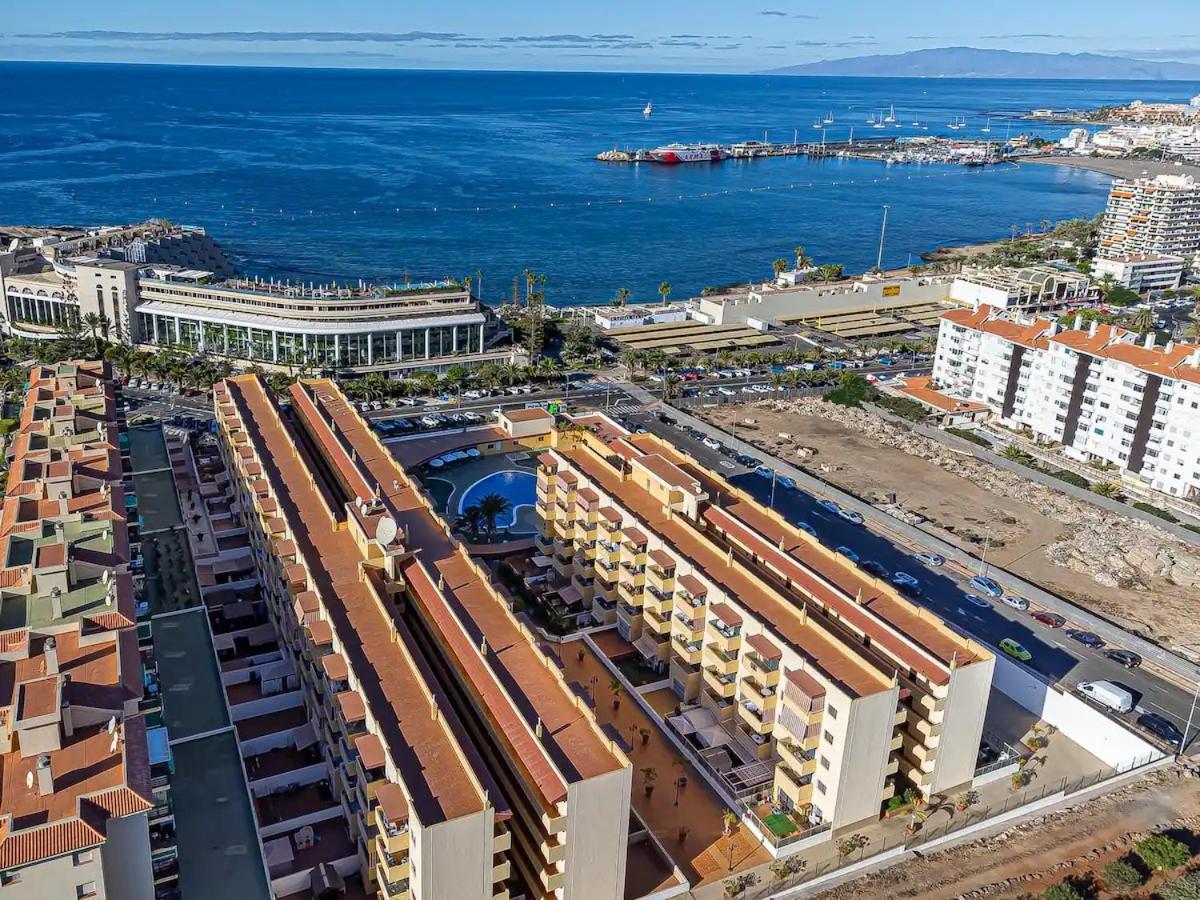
971,62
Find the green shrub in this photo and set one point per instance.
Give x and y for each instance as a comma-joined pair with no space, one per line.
1160,852
1068,477
1185,887
903,407
973,436
1119,876
851,390
7,426
1062,891
1154,511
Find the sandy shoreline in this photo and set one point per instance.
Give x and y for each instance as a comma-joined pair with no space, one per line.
1117,168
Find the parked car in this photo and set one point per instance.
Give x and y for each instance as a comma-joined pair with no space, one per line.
830,506
1107,694
931,559
1161,727
877,569
711,443
1015,650
1087,638
846,552
850,516
806,528
764,472
987,586
748,461
1016,601
1052,620
976,600
789,483
1127,658
906,584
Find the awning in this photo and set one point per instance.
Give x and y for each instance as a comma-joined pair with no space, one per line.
304,736
570,595
543,562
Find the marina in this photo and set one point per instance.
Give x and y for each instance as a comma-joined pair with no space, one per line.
888,150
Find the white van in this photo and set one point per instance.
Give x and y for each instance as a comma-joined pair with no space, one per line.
1107,694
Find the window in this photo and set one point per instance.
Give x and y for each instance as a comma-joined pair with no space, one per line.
828,738
825,763
820,787
832,712
83,857
87,889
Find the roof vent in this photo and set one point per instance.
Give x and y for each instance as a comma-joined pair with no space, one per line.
45,775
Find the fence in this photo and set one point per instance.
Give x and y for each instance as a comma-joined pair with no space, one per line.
978,818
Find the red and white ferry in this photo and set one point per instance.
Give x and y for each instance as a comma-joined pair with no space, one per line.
673,154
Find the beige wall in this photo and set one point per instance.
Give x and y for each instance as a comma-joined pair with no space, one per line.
126,859
89,278
859,755
453,859
598,836
962,725
820,299
119,869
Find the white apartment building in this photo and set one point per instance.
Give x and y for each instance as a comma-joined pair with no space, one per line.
1142,273
364,328
1031,289
1099,391
1152,217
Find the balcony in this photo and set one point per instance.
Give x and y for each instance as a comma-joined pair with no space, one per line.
759,720
715,656
397,890
689,651
724,686
796,756
726,638
393,836
792,783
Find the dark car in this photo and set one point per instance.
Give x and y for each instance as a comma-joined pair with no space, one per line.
665,419
1127,658
1087,638
1053,620
1160,727
748,461
874,568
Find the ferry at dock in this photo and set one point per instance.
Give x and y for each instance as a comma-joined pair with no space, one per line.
672,154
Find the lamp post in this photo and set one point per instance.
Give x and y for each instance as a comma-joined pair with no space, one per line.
1188,727
882,234
987,542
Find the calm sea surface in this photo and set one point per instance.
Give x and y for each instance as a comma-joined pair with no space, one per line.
383,175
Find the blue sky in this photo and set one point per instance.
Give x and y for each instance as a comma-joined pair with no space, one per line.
681,35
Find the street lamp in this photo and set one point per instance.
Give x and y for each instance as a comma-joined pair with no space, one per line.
882,233
987,542
1188,727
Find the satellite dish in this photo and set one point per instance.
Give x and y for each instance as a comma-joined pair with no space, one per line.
385,531
112,745
29,780
112,724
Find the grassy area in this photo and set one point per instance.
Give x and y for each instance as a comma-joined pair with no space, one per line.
973,436
902,407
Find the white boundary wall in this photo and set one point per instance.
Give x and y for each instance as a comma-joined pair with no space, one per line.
1105,738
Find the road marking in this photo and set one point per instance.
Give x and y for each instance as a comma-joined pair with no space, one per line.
1167,712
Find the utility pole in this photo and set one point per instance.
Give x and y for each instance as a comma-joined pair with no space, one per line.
882,235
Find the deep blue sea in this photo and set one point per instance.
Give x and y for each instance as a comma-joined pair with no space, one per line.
392,174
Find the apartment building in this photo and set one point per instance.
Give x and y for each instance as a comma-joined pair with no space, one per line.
1157,216
390,329
466,765
1099,391
1142,273
805,685
75,789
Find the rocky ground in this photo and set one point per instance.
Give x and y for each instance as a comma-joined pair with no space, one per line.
1125,569
1024,860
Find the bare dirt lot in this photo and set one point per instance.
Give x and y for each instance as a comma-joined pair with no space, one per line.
1026,859
868,463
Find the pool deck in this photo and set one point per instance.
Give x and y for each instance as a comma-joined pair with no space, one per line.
463,476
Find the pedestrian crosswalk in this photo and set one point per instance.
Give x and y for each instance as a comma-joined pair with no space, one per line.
624,409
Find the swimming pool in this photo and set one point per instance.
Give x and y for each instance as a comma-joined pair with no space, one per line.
519,488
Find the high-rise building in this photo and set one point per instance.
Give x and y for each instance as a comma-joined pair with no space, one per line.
1100,391
1157,216
75,785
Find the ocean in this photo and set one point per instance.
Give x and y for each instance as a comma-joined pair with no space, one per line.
398,175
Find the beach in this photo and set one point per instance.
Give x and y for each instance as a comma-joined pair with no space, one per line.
1117,168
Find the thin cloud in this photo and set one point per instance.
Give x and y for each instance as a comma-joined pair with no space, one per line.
1011,37
376,37
774,12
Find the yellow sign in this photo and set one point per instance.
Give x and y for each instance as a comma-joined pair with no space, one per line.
891,290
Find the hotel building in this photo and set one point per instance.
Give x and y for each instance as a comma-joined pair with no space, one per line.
1099,391
805,684
355,329
465,765
1029,289
1152,217
75,779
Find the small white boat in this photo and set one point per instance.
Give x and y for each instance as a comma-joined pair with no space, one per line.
649,110
987,128
829,118
891,116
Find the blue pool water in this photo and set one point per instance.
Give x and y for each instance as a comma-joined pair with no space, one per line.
519,488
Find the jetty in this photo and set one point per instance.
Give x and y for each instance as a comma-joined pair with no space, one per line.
888,150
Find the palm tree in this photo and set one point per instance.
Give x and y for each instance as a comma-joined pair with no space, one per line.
471,520
622,296
664,290
802,260
729,819
778,266
1142,320
671,386
1106,284
92,323
648,775
492,507
830,271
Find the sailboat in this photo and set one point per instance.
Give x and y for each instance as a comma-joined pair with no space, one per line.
649,110
881,122
817,123
956,124
829,118
871,119
891,116
987,128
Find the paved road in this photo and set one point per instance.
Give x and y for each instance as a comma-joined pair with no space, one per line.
1055,655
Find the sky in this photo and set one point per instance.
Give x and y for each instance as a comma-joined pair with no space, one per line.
618,35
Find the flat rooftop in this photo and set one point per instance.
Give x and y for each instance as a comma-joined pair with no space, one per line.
193,698
421,745
466,611
214,822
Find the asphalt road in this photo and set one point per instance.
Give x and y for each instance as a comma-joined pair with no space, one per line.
1056,656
